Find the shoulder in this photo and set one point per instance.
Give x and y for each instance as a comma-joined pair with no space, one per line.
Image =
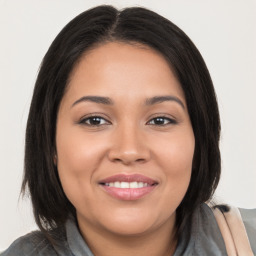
32,244
249,219
232,221
37,244
209,238
204,235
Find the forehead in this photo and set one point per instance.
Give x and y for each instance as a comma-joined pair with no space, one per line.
117,68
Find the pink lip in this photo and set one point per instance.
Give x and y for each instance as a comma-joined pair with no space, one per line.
128,193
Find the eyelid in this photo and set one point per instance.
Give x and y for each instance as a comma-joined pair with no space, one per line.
172,120
100,115
164,116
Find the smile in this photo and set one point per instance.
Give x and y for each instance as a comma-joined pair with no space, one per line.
128,187
123,184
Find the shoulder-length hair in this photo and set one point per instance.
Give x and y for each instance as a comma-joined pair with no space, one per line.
100,25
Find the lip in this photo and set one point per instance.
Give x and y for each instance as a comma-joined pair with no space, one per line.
128,194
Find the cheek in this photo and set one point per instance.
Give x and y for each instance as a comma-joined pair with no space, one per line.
78,158
176,157
78,154
176,154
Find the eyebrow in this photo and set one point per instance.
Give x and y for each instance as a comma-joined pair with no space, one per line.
148,102
95,99
160,99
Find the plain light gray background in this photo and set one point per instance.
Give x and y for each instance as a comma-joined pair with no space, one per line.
223,30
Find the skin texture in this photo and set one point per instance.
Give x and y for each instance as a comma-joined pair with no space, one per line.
127,140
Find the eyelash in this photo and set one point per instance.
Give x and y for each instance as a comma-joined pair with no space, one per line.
170,121
83,121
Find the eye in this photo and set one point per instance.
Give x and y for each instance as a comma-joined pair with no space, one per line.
94,121
162,121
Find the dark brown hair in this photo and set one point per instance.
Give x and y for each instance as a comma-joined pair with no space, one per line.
99,25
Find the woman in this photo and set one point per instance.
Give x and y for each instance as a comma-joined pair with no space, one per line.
122,142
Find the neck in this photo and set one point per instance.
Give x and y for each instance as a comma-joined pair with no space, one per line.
158,242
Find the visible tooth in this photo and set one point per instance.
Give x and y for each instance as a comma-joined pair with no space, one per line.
140,184
134,184
117,184
124,185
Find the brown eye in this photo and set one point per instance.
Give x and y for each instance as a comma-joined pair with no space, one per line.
94,121
161,121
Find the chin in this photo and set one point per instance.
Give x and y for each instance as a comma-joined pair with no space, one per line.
132,222
128,228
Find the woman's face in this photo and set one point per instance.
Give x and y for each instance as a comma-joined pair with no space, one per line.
124,140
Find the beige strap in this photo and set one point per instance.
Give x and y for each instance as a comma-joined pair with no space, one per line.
233,231
238,232
224,229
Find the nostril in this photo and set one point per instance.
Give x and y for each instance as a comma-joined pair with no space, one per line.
128,154
140,160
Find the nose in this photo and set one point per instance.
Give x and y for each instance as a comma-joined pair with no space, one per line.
129,146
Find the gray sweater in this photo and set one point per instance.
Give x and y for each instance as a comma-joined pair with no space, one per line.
205,238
